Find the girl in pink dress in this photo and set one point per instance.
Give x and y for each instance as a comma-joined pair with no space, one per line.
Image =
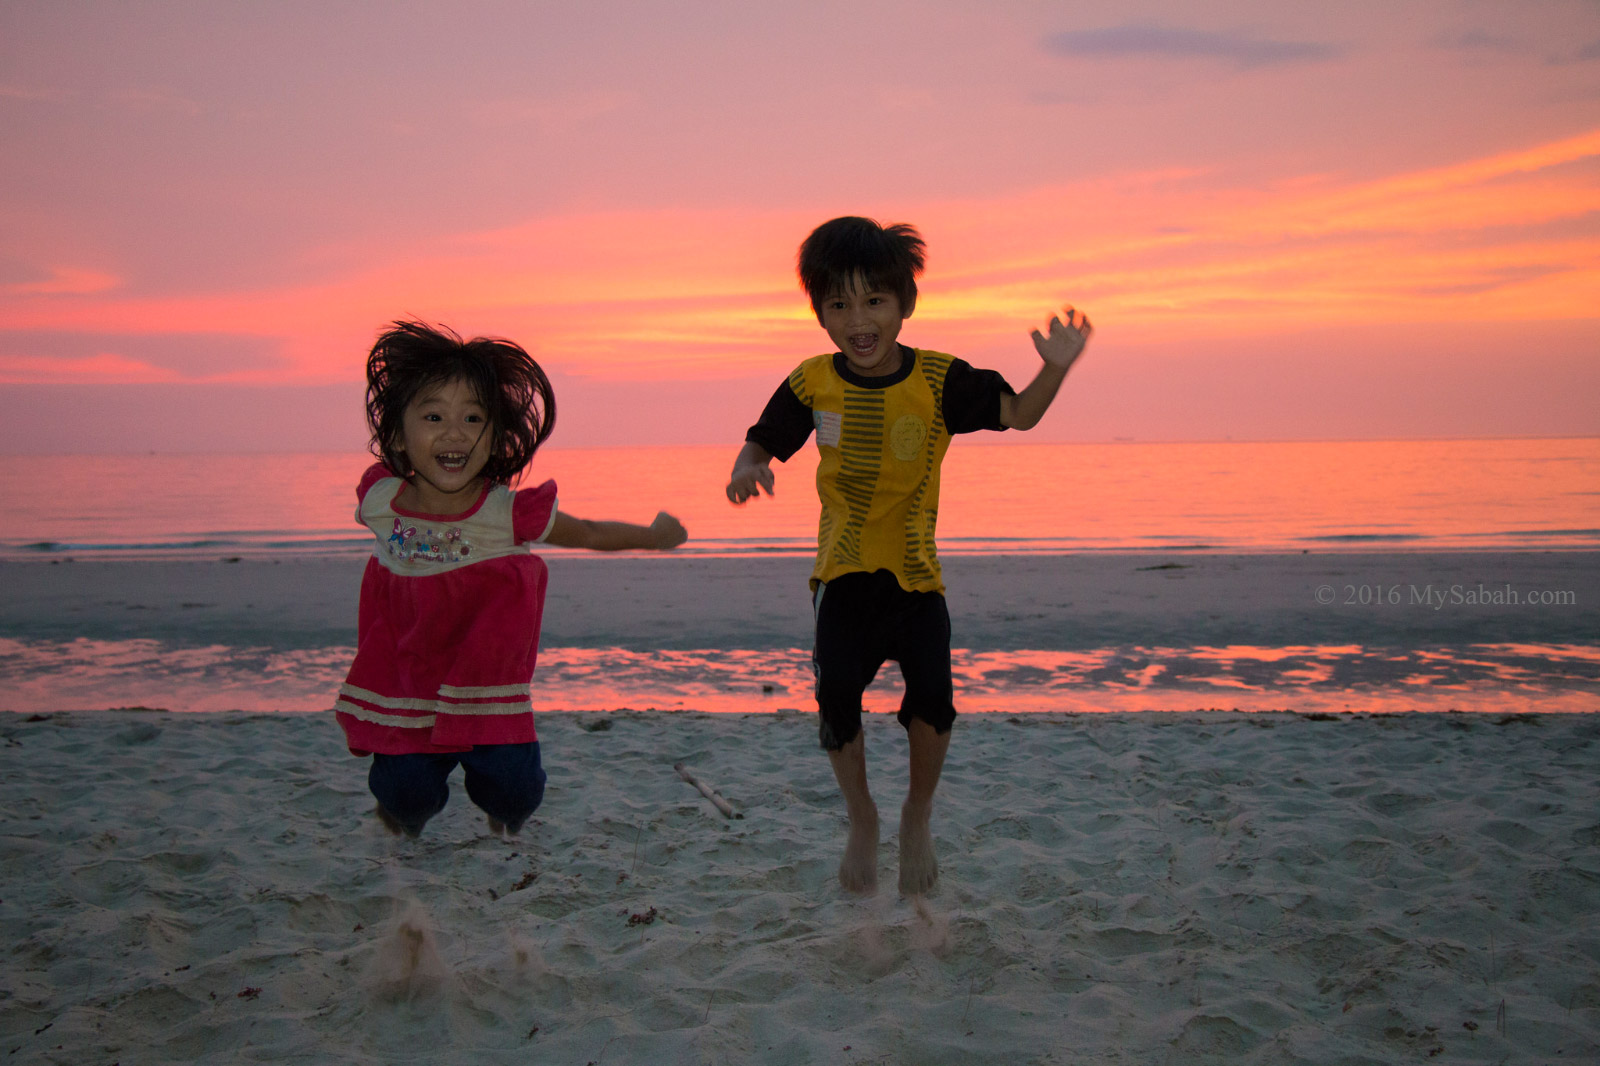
452,597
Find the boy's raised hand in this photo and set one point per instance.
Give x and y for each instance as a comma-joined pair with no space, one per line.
1066,339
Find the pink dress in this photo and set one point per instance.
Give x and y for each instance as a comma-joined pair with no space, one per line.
448,630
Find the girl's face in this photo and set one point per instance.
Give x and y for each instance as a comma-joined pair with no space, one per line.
445,436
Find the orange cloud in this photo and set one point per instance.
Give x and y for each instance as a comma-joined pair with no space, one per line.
107,368
64,281
1497,238
712,293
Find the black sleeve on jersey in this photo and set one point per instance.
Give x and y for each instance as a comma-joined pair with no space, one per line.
972,398
784,424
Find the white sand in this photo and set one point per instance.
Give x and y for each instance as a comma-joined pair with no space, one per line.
1116,889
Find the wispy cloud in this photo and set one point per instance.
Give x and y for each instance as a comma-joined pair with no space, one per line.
1480,42
161,355
1137,40
551,114
105,368
1482,45
64,281
153,99
32,93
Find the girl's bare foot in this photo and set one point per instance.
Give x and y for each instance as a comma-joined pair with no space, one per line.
496,826
389,822
858,870
919,867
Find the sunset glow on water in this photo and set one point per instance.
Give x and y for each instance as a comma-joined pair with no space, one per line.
1168,502
1307,679
1224,496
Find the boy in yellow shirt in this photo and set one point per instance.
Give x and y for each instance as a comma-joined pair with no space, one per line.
884,414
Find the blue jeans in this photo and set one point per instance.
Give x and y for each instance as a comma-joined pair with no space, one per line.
505,780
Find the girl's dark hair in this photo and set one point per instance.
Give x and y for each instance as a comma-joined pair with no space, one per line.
885,258
412,357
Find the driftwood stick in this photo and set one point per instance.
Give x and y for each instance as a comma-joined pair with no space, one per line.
707,791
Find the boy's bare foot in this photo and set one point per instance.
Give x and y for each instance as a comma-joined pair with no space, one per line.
858,870
919,867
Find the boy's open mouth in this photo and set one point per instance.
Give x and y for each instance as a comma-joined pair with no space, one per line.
864,343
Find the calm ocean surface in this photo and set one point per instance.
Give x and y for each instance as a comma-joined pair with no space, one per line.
1221,497
1407,496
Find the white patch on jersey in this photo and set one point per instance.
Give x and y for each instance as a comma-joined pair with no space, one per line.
830,427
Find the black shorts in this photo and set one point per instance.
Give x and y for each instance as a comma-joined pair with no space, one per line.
864,620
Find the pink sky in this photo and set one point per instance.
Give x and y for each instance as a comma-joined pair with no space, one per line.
1352,220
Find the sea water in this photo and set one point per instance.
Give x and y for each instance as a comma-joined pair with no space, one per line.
1390,496
1006,498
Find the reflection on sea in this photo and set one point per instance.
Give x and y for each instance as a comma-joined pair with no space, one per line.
1016,498
40,676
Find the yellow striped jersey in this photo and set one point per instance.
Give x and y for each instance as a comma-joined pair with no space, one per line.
880,443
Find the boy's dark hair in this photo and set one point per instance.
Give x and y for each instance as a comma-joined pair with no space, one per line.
411,357
887,259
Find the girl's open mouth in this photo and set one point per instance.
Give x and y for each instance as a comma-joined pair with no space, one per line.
452,461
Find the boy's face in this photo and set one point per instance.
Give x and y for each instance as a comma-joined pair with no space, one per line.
865,325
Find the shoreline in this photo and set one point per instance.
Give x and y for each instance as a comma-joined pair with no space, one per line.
665,602
1029,633
949,548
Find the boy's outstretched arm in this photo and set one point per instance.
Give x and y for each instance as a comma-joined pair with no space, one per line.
1059,351
752,472
569,531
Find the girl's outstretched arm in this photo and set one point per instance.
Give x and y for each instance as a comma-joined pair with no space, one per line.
572,532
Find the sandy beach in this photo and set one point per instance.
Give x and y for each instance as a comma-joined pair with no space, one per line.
1139,887
1116,889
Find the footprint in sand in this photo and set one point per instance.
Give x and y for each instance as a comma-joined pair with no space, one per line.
931,931
408,966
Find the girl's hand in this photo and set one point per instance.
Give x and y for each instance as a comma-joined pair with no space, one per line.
667,531
1066,340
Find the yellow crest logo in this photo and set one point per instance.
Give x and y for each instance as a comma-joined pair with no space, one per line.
906,438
